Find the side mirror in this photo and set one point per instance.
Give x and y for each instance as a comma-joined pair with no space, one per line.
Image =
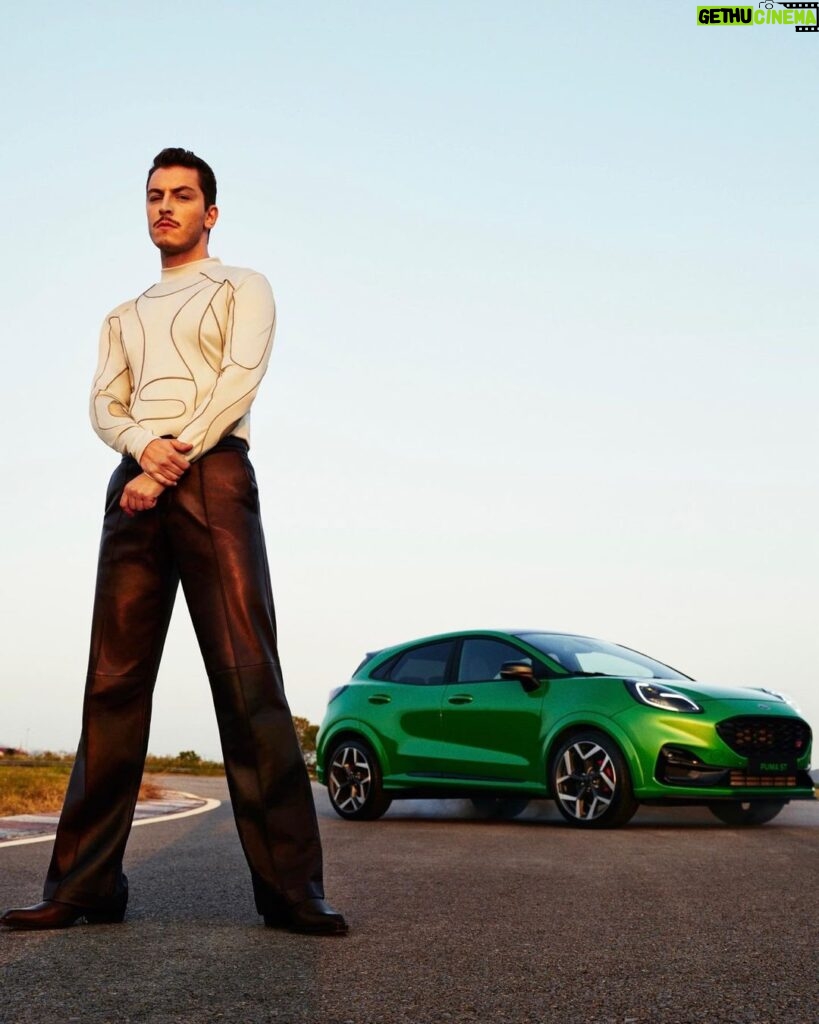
522,672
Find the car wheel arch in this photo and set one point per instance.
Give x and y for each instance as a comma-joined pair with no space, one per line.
357,732
563,730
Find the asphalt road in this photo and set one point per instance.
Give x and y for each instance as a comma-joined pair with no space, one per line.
674,919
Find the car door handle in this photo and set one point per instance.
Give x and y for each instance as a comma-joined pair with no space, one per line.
460,698
379,698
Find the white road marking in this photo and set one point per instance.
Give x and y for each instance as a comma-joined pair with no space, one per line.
208,805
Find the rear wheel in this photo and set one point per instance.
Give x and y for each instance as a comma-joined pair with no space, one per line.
354,782
501,807
746,812
590,782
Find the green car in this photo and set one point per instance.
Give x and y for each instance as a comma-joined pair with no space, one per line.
506,717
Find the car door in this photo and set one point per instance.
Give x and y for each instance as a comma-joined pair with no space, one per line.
402,703
491,726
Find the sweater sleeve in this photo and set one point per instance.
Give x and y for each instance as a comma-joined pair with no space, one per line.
111,395
248,343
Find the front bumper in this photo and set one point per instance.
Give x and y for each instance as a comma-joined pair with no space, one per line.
730,751
681,769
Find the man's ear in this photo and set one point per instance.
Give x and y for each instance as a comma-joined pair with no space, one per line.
211,216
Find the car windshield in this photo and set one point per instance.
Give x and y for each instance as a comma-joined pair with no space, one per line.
583,655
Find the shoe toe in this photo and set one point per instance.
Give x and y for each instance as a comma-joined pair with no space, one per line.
310,917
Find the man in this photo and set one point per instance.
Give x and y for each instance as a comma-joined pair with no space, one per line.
178,370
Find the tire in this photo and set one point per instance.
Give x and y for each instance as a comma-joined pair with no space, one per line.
354,782
741,813
498,808
590,781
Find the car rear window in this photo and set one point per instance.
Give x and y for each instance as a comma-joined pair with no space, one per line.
420,666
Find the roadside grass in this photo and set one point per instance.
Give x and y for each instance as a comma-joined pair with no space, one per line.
36,784
187,763
40,789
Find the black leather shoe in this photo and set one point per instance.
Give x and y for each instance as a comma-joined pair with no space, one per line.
310,917
51,914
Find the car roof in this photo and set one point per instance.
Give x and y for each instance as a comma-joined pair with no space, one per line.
433,638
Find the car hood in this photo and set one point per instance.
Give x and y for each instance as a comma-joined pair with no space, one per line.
719,691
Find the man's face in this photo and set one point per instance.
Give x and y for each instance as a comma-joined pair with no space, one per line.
178,220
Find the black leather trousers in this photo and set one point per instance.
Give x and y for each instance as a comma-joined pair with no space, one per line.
206,532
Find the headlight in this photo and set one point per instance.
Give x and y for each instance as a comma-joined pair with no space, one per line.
663,697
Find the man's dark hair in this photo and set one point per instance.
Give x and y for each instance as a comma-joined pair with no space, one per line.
175,157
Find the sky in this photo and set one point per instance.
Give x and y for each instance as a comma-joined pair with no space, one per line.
546,350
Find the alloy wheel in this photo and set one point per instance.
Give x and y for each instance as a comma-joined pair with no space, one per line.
354,781
502,808
350,779
585,780
741,813
590,781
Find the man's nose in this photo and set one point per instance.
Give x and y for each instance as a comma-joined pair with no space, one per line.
166,204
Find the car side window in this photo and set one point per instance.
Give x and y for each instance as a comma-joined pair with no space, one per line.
422,666
481,660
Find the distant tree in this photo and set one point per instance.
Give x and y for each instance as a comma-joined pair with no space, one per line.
306,732
188,757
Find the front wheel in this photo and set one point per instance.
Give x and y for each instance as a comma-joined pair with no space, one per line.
590,782
743,813
354,782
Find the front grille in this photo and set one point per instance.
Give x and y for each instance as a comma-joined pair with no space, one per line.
761,736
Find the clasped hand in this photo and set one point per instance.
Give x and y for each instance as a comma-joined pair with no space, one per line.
163,465
164,460
139,495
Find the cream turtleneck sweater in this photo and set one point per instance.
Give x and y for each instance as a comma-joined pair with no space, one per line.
185,358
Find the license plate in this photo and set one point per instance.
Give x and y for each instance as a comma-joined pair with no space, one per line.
771,766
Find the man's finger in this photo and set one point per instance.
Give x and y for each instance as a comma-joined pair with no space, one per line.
168,469
162,478
164,456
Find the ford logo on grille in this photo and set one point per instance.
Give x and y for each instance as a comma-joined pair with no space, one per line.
764,707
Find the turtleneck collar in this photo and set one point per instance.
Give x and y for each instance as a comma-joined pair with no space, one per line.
187,269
